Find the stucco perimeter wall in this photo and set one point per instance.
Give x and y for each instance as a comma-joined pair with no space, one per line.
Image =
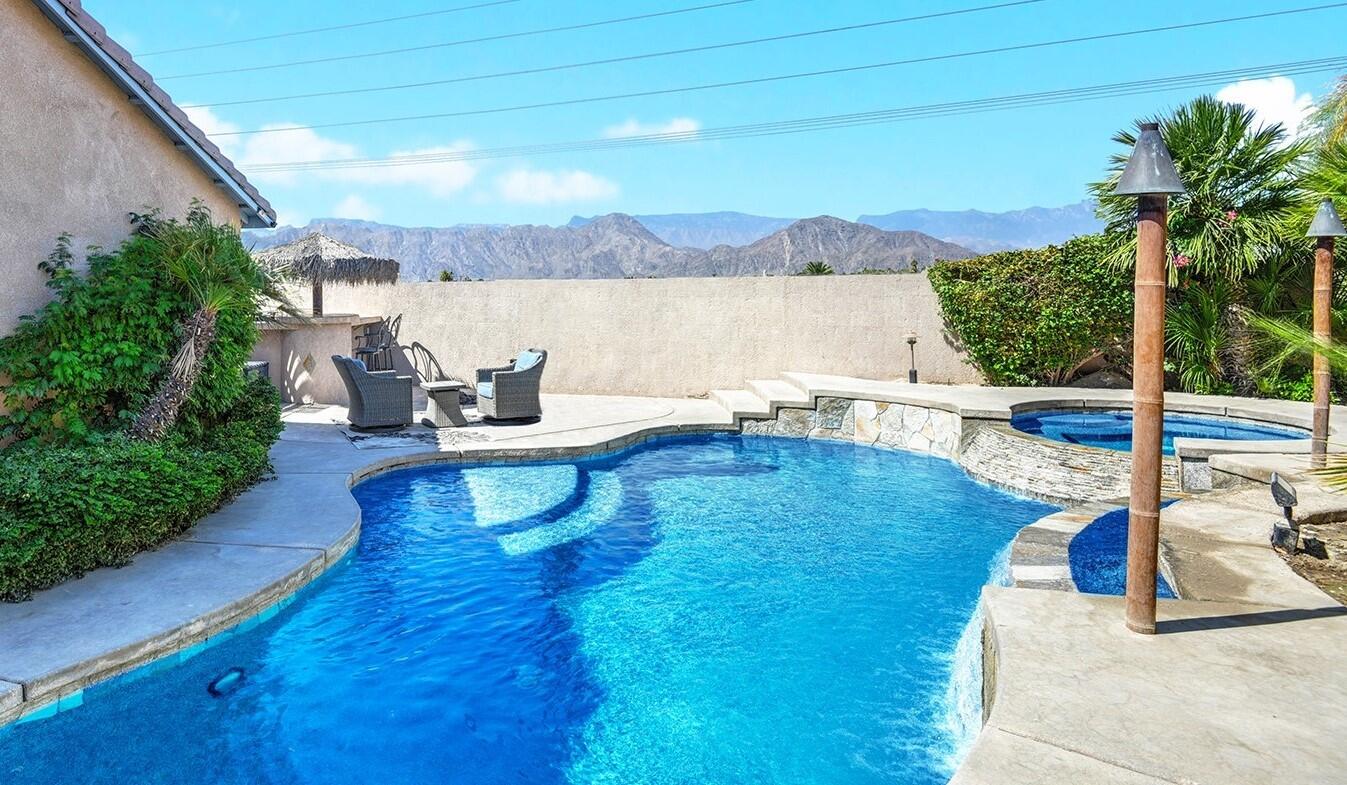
75,156
673,336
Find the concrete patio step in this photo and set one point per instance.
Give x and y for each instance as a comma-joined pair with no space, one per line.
800,381
741,403
778,393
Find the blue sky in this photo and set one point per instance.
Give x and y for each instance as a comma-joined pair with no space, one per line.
992,161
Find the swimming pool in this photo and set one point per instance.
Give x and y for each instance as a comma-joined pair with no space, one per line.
1112,430
713,610
1098,557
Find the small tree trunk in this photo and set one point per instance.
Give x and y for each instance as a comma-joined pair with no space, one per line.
161,413
1240,359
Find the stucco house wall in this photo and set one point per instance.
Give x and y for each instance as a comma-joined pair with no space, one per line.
75,156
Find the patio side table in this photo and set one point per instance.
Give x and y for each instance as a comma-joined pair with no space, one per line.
442,409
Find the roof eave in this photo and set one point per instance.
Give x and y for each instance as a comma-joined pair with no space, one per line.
252,214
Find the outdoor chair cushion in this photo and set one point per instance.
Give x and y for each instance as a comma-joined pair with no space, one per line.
486,390
526,360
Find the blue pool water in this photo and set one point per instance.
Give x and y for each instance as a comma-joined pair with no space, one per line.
1098,557
707,610
1113,430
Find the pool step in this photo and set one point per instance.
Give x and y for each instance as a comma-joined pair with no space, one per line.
603,500
741,404
781,394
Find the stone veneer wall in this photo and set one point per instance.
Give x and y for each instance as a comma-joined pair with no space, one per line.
1054,471
907,427
989,450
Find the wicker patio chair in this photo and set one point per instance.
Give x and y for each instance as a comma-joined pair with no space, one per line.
511,391
427,369
378,399
368,344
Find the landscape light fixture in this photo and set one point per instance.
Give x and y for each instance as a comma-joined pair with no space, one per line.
912,350
1151,177
1325,226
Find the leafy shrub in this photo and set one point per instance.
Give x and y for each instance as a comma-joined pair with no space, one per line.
1033,317
67,509
89,359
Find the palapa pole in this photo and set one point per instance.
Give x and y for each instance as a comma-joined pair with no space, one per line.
317,296
1150,176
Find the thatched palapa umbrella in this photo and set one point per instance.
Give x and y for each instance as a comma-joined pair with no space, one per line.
317,258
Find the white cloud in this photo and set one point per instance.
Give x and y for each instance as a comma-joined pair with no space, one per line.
212,124
285,143
531,186
1273,100
355,207
634,127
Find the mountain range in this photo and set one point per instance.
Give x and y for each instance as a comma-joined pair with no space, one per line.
987,232
705,230
980,231
620,246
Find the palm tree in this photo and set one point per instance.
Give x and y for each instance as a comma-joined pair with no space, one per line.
1243,186
817,268
1329,119
1244,194
208,264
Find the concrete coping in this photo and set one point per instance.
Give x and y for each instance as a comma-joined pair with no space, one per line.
1199,449
287,323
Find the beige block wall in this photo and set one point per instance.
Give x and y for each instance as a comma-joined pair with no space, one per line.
75,156
300,358
673,336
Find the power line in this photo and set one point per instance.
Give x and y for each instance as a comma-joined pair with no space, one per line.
332,28
826,122
627,58
460,42
772,79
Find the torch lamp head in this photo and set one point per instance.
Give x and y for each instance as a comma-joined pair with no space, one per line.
1150,171
1326,222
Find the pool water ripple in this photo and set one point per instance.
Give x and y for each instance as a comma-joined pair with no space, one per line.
710,610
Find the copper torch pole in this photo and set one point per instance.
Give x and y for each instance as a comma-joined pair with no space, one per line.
1148,411
1323,333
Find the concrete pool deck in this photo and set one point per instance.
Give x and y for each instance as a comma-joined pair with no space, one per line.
1242,684
1052,651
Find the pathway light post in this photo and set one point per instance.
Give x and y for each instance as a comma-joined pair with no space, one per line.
912,350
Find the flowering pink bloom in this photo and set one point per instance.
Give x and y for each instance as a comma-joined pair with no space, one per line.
1231,215
1182,261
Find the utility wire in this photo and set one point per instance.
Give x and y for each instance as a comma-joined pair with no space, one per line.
332,28
627,58
825,122
460,42
777,78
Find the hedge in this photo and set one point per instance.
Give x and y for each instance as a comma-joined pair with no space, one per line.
65,510
1032,317
87,362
